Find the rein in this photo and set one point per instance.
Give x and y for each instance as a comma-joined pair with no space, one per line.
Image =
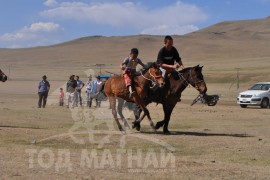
155,77
188,82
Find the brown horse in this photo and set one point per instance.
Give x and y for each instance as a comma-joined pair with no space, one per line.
3,77
115,88
171,93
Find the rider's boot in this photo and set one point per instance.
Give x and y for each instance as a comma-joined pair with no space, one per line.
129,91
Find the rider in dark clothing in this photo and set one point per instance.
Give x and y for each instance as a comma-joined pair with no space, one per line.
167,56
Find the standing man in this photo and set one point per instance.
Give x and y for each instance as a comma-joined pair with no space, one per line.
89,88
167,56
78,93
70,91
97,87
43,90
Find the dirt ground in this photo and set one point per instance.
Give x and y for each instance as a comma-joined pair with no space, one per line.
220,142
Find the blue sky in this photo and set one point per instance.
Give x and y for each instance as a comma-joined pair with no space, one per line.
28,23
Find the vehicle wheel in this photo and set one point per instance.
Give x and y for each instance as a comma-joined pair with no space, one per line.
243,105
264,103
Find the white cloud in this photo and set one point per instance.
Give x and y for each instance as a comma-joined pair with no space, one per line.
43,27
36,34
178,18
173,30
50,3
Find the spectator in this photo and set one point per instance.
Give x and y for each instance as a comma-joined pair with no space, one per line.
89,88
96,90
70,91
61,97
78,92
43,90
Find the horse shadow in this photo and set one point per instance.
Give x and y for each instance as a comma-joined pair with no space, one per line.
179,133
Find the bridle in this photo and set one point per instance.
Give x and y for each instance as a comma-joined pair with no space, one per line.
154,76
192,82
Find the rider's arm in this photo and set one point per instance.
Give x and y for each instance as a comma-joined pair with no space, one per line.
141,63
178,58
167,66
124,64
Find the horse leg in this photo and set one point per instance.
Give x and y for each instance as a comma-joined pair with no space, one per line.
113,104
136,123
136,111
162,122
167,111
120,112
149,119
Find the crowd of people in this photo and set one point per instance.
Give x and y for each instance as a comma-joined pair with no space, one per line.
168,58
72,97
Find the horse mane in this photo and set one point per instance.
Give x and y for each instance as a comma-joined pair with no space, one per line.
143,70
185,70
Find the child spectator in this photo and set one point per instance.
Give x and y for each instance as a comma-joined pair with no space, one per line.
61,97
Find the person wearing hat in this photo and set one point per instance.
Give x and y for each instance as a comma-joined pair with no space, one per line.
168,57
70,91
129,68
89,88
43,90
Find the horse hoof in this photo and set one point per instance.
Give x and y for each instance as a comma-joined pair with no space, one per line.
133,125
158,125
166,132
138,127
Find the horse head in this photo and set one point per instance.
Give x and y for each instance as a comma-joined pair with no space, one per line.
155,74
196,79
3,77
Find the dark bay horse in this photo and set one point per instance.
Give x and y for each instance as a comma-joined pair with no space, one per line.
171,93
3,77
115,88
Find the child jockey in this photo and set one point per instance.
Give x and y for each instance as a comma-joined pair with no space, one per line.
129,68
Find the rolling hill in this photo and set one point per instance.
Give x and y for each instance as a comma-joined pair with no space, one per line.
223,46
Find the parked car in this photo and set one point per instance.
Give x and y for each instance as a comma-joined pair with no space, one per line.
257,95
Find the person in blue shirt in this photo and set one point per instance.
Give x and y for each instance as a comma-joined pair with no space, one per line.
78,92
43,90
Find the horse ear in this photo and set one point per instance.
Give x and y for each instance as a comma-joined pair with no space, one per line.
197,67
158,64
155,65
